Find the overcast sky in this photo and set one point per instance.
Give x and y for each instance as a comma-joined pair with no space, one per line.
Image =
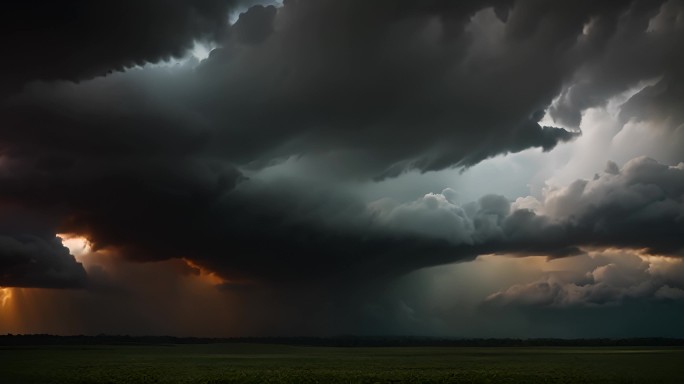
499,168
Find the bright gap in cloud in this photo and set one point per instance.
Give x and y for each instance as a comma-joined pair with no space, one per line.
201,50
77,245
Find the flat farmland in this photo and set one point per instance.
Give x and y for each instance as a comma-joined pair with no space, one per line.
258,363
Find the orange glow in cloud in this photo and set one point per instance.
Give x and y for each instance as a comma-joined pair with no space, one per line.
660,259
205,274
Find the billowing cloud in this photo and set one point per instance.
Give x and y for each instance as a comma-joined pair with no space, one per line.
31,255
274,231
29,261
308,78
606,278
638,206
77,39
646,36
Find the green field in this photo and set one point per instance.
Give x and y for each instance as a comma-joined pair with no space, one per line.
253,363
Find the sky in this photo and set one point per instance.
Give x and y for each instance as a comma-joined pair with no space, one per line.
480,168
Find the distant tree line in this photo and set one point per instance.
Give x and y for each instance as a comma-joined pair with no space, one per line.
340,341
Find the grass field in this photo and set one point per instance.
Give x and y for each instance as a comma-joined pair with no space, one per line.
253,363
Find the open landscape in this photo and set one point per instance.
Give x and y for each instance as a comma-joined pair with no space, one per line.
342,191
261,363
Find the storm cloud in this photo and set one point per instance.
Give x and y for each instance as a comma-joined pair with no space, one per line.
249,163
78,40
31,255
29,261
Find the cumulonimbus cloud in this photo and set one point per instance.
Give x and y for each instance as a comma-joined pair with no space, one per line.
154,163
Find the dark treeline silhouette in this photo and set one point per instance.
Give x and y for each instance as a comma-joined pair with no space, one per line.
340,341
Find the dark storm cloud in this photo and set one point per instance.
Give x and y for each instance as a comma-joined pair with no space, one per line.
401,85
660,102
398,85
155,209
280,231
154,163
643,44
32,256
30,261
80,39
